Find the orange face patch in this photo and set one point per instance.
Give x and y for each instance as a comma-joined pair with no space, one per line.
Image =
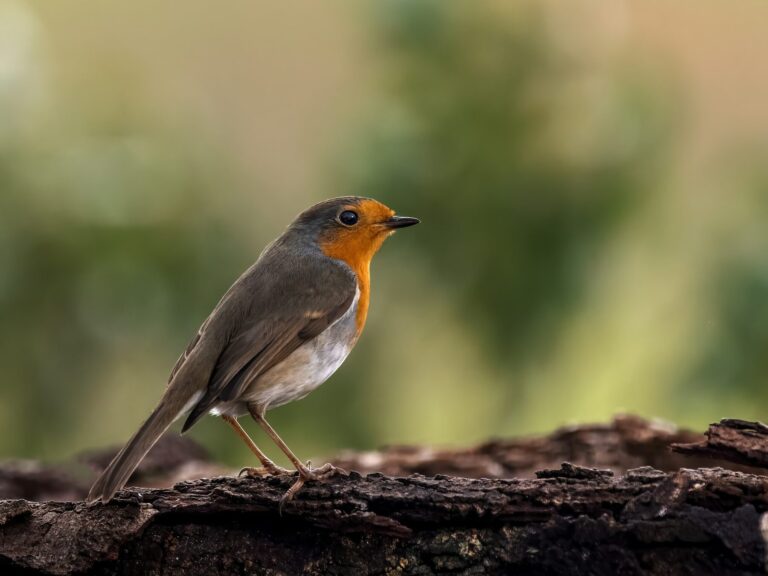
357,244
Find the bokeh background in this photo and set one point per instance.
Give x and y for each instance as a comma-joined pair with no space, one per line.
592,179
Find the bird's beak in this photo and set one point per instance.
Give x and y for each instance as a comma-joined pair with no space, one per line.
401,222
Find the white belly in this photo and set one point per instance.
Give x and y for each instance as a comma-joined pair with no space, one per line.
304,370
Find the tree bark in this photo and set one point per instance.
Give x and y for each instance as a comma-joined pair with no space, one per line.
568,519
735,441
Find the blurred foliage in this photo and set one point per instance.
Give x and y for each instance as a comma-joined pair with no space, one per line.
475,140
107,240
728,360
572,260
734,357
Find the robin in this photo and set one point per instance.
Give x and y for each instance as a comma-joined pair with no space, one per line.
282,329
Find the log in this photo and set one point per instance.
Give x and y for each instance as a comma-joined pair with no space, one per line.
731,440
626,442
566,519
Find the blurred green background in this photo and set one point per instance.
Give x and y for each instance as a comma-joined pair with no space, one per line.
591,176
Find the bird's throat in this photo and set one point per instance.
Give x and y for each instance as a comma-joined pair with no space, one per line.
358,258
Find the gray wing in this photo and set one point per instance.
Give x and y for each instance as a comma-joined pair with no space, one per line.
263,319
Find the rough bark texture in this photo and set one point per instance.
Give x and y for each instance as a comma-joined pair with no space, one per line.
732,441
627,442
569,519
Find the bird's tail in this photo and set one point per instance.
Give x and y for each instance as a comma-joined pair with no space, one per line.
114,477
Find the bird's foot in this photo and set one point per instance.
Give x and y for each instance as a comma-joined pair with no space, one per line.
309,474
262,471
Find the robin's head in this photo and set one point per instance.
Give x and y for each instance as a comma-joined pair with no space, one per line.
351,228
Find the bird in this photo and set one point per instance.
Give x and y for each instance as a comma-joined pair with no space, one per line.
280,331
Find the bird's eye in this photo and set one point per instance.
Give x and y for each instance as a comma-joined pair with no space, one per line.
348,218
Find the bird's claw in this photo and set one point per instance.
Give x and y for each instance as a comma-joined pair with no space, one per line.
307,474
263,471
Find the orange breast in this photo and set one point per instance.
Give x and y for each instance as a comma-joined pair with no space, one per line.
361,266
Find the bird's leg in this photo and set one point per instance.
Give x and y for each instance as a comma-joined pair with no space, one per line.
268,467
258,415
305,472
